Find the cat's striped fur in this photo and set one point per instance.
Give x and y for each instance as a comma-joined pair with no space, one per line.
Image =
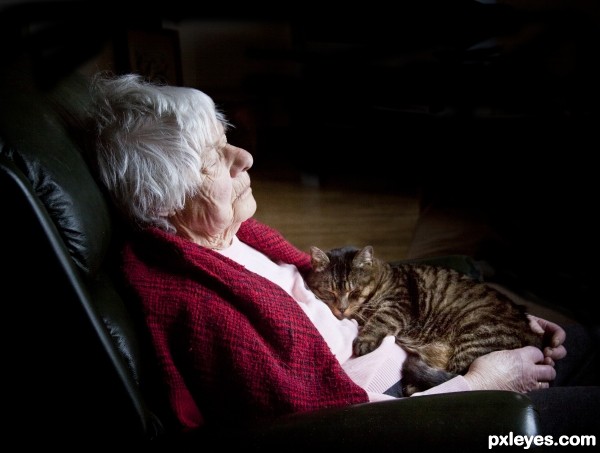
442,318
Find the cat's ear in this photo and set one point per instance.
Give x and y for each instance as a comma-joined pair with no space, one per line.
364,257
318,259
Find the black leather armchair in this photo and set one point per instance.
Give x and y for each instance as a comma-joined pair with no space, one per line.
77,365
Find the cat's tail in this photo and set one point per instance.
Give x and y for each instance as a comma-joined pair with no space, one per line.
418,376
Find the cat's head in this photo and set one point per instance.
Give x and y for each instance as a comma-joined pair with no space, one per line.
344,278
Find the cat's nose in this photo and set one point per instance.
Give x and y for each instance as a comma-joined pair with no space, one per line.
338,312
342,312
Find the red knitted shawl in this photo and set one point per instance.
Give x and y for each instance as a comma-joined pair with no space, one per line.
229,343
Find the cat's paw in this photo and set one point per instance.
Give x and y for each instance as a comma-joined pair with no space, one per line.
364,345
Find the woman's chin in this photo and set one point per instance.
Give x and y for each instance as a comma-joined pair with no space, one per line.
246,205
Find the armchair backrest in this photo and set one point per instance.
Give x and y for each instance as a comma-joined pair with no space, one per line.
73,359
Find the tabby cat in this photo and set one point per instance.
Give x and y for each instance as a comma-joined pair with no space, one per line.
443,319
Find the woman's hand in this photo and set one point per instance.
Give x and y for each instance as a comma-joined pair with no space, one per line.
523,369
554,337
520,370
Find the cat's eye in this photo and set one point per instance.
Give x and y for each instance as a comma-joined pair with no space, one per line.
328,295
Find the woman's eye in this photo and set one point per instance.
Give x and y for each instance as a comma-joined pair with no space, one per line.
208,170
211,167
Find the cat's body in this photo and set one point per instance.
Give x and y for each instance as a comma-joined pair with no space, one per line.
442,318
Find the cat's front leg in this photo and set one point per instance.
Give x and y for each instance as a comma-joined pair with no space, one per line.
363,344
376,324
370,337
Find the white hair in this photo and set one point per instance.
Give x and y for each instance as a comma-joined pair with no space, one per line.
150,142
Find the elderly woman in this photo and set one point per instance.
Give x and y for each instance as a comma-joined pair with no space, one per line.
235,330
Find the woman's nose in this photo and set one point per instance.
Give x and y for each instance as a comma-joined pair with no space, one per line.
241,160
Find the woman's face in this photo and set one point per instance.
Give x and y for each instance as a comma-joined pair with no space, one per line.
224,200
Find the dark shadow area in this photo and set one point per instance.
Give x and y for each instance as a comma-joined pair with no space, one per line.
489,112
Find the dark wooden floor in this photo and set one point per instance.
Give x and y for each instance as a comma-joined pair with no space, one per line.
308,212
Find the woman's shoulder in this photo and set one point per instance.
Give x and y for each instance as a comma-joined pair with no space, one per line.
272,243
260,235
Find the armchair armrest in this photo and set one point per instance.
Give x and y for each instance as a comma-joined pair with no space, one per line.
461,421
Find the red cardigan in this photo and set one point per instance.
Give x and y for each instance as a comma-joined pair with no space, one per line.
229,343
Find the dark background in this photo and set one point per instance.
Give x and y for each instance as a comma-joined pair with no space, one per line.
429,87
489,108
